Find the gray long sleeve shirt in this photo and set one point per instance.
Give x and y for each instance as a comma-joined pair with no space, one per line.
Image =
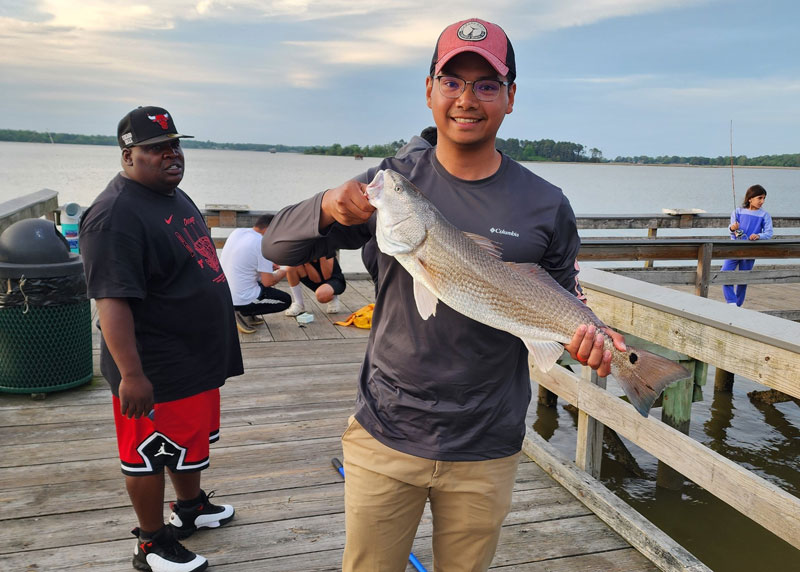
446,388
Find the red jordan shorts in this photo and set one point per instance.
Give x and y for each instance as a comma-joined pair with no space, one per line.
176,437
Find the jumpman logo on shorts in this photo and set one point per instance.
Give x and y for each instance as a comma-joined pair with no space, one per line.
163,451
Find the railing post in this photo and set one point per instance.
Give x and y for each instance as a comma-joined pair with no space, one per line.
589,448
703,270
652,232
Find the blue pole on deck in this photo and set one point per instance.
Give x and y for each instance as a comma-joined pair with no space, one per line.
337,464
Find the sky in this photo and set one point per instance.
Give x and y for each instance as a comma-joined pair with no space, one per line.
628,77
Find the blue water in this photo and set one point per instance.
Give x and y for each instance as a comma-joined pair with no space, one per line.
267,181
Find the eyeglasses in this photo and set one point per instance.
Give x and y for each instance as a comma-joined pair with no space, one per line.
484,89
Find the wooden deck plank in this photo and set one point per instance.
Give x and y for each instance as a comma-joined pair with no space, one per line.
281,424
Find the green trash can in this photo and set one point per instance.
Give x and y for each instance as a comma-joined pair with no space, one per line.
45,315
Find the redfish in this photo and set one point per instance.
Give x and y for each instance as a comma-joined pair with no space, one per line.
466,272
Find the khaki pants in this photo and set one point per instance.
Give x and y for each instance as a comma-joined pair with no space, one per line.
385,493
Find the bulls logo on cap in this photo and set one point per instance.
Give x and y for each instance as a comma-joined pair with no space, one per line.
162,119
146,126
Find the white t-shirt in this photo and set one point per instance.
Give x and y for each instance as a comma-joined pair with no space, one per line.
242,261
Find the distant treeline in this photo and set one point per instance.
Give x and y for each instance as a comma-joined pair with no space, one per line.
23,136
548,150
519,149
336,149
740,161
37,137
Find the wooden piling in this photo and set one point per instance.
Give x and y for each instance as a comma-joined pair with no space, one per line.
676,413
546,397
723,380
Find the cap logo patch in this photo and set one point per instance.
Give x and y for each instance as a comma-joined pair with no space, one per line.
160,119
127,138
472,32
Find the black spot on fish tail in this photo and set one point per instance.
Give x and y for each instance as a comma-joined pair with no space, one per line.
646,377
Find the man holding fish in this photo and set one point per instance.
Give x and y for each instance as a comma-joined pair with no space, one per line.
444,388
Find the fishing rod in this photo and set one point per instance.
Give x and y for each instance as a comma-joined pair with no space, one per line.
337,464
738,232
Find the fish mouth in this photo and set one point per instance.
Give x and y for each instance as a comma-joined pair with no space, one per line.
375,188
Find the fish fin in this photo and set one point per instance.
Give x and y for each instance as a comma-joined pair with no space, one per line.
425,299
537,272
646,377
544,353
491,247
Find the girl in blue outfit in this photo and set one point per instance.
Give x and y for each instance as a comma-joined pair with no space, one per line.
748,222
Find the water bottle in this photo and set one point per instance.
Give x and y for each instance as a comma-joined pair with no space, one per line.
70,217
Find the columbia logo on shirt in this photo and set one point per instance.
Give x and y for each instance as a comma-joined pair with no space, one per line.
503,231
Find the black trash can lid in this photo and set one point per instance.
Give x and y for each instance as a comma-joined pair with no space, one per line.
35,247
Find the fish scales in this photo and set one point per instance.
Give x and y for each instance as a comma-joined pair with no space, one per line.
466,273
492,292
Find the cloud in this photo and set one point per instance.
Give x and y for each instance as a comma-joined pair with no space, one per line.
550,16
104,15
628,80
94,34
744,91
298,10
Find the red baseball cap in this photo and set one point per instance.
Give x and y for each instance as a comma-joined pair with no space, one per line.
479,36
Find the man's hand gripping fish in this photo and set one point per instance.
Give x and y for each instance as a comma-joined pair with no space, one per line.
465,271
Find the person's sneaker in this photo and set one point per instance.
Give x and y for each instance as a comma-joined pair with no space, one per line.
204,514
334,306
163,553
295,310
243,325
255,321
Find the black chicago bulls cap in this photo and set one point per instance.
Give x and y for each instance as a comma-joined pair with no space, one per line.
146,126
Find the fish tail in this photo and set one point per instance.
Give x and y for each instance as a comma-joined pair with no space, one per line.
644,376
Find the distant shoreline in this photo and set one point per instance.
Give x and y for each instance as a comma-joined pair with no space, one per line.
573,153
678,165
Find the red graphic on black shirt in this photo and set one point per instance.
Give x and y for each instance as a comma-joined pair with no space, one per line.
186,245
162,120
202,244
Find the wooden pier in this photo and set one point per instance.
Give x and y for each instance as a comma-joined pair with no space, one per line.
63,505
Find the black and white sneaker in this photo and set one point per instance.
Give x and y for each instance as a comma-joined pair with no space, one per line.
163,553
204,514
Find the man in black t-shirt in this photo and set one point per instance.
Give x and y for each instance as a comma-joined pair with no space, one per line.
168,335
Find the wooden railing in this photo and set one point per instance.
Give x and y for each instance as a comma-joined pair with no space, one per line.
703,250
757,346
34,205
648,249
663,221
44,203
242,216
